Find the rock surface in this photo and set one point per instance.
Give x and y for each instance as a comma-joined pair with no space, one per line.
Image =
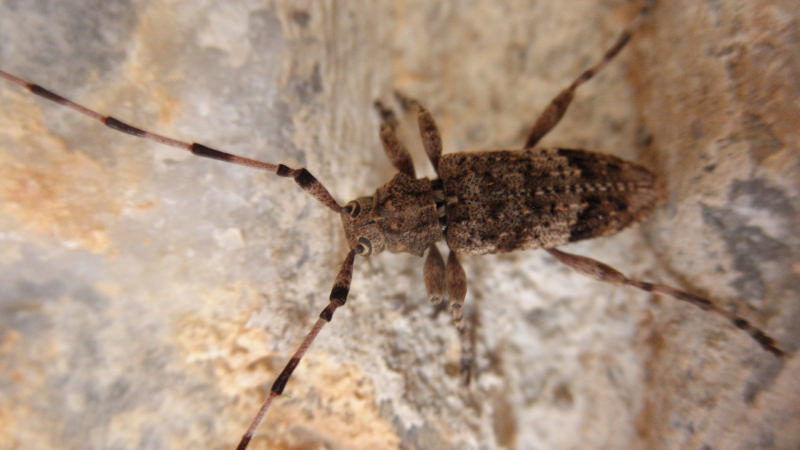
149,297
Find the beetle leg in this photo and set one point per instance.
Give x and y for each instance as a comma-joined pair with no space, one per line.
603,272
450,278
433,272
394,148
431,139
456,283
553,113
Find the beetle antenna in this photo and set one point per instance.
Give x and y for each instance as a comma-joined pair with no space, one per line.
338,297
301,176
603,272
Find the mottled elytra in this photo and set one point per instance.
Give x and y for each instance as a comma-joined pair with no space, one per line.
480,203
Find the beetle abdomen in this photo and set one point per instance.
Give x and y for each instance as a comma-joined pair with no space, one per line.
502,201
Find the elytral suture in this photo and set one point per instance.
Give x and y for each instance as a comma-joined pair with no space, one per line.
157,300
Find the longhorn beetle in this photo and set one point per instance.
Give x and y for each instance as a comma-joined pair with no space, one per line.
481,203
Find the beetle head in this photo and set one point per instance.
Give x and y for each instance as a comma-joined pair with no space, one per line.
361,226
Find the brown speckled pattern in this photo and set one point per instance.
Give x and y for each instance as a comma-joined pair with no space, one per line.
503,201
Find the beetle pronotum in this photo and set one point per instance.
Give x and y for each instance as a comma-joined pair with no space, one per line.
331,188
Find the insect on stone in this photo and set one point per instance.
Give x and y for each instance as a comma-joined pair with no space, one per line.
480,203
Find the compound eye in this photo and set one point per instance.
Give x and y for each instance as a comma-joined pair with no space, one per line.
353,209
364,247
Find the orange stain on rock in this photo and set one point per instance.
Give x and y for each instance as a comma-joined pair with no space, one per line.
324,402
53,191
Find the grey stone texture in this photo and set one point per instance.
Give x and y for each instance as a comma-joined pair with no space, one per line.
148,298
